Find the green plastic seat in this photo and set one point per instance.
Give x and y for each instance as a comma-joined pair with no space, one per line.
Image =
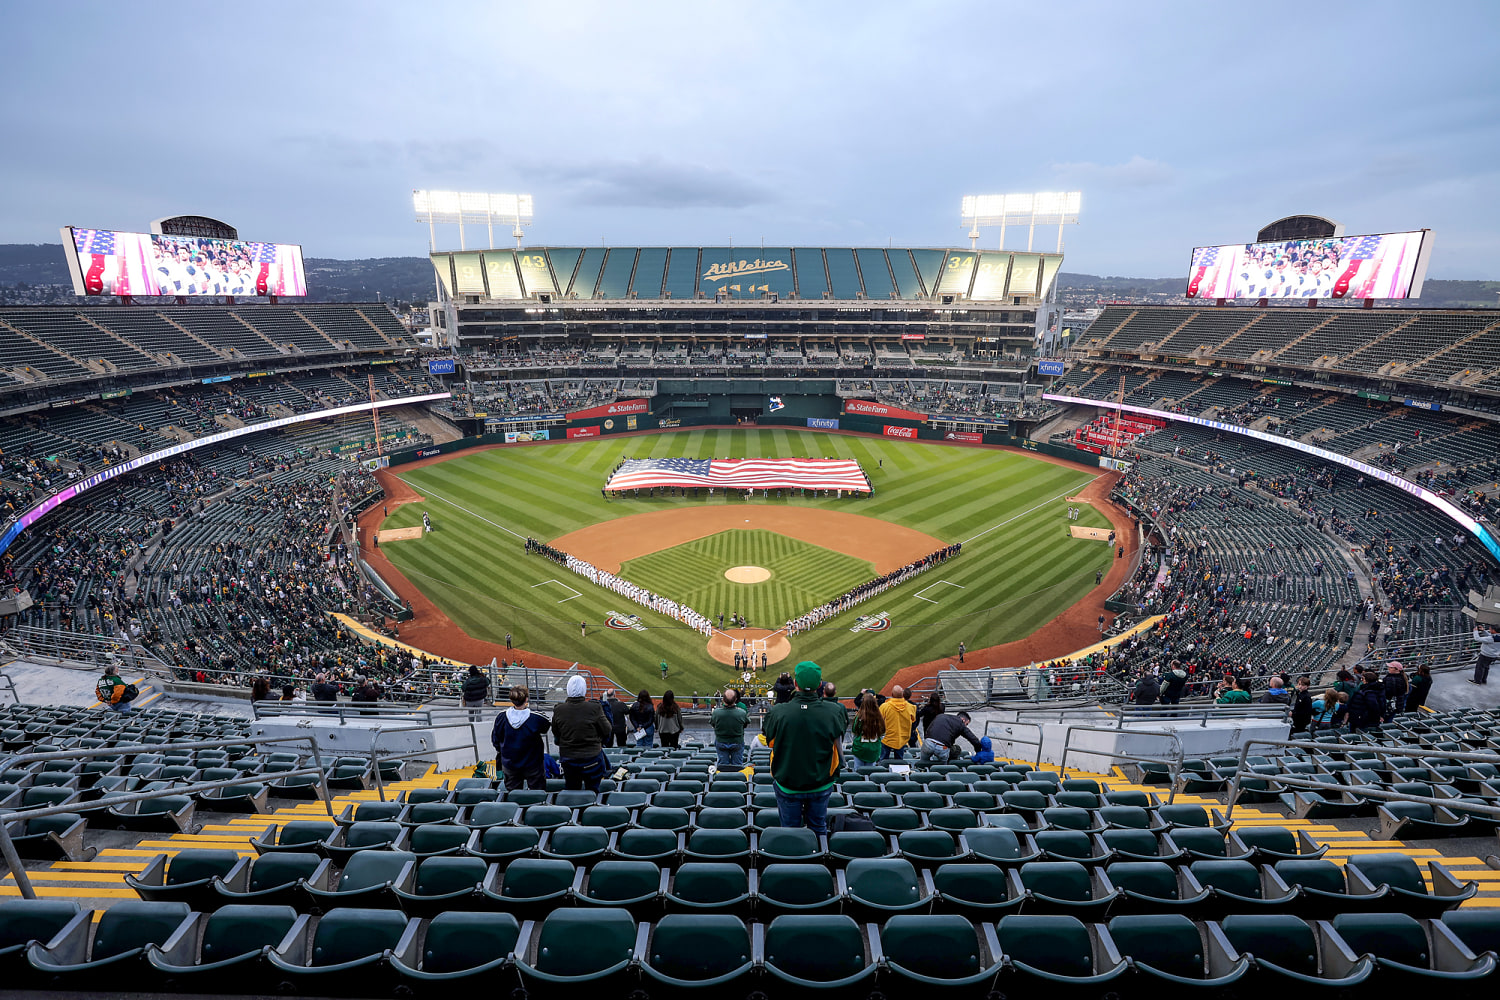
376,812
1477,927
659,846
634,885
121,936
189,876
274,880
661,818
896,820
535,885
1046,951
1167,948
698,951
431,812
578,844
1124,817
1184,814
348,953
1199,843
232,954
1151,887
978,891
23,921
504,844
789,844
796,888
1408,890
822,951
369,879
611,818
846,845
546,817
298,835
487,814
443,883
883,886
1068,845
581,947
717,845
718,886
942,951
1284,951
464,947
928,847
438,838
1053,886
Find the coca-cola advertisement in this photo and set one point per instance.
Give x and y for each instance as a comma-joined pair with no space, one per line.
892,431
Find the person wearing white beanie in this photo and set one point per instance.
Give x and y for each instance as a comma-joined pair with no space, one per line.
582,729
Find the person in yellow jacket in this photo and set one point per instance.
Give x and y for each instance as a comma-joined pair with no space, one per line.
899,715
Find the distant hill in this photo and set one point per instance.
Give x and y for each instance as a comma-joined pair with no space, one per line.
36,273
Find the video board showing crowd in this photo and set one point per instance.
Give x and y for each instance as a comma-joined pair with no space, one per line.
106,262
1382,266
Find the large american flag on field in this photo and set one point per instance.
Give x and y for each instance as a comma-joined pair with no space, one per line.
740,473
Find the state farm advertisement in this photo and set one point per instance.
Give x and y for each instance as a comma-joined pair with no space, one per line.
963,436
880,410
614,409
582,432
892,431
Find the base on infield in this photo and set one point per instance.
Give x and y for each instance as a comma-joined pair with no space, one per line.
399,534
747,574
774,644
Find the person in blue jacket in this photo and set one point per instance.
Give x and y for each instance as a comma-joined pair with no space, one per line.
519,748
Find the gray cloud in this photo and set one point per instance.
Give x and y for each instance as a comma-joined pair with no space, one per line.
1136,172
652,183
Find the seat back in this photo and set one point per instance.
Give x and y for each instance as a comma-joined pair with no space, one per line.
888,882
441,876
971,883
134,924
1275,938
797,885
1398,871
348,933
1238,877
1324,876
1067,880
1056,944
1168,942
709,882
368,869
436,837
622,881
857,844
232,931
458,939
535,878
508,839
584,942
1268,838
815,948
23,920
994,842
362,834
699,946
1479,928
197,864
789,842
272,871
1155,879
939,947
1394,937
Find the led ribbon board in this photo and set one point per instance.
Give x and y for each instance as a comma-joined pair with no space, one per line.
51,503
1427,496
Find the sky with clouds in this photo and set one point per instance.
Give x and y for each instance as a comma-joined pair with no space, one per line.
795,123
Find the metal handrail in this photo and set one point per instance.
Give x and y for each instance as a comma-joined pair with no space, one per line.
1033,725
1203,712
1294,781
8,847
1174,764
376,760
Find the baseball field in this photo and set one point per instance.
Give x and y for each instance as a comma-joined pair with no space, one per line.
766,559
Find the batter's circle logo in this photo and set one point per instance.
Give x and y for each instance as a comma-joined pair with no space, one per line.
624,623
609,425
872,623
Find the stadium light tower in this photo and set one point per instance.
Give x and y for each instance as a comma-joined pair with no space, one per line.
460,207
1048,208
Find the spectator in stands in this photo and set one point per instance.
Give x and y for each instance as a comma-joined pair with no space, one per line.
581,728
804,736
930,710
1346,683
1302,709
324,692
366,694
1367,705
260,689
940,736
1489,652
1173,685
1421,686
900,718
517,738
669,720
729,719
1147,690
1276,693
783,689
1232,692
617,716
1395,688
476,691
869,728
112,690
1327,710
643,717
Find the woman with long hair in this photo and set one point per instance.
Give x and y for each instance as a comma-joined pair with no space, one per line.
642,716
260,689
669,720
869,730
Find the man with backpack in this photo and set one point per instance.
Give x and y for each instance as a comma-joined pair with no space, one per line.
114,693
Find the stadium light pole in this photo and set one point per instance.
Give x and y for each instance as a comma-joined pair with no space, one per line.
1044,207
460,207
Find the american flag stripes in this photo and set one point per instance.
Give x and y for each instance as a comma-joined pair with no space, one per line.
740,473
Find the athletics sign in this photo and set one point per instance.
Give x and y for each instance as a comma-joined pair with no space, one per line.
872,623
865,406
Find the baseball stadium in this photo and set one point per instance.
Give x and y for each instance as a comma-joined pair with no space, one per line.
765,622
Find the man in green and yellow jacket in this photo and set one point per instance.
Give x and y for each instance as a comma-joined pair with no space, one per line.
804,736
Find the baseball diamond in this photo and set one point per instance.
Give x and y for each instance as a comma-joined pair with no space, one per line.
1018,567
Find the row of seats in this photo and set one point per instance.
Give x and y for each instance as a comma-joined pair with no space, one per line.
365,952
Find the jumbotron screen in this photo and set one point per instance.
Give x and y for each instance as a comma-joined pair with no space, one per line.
1383,266
105,262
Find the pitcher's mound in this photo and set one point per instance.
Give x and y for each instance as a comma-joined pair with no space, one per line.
747,574
399,534
749,640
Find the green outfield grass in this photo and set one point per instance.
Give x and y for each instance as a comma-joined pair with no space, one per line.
803,576
1019,566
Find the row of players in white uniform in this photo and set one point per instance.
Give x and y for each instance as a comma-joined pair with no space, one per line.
641,596
821,614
